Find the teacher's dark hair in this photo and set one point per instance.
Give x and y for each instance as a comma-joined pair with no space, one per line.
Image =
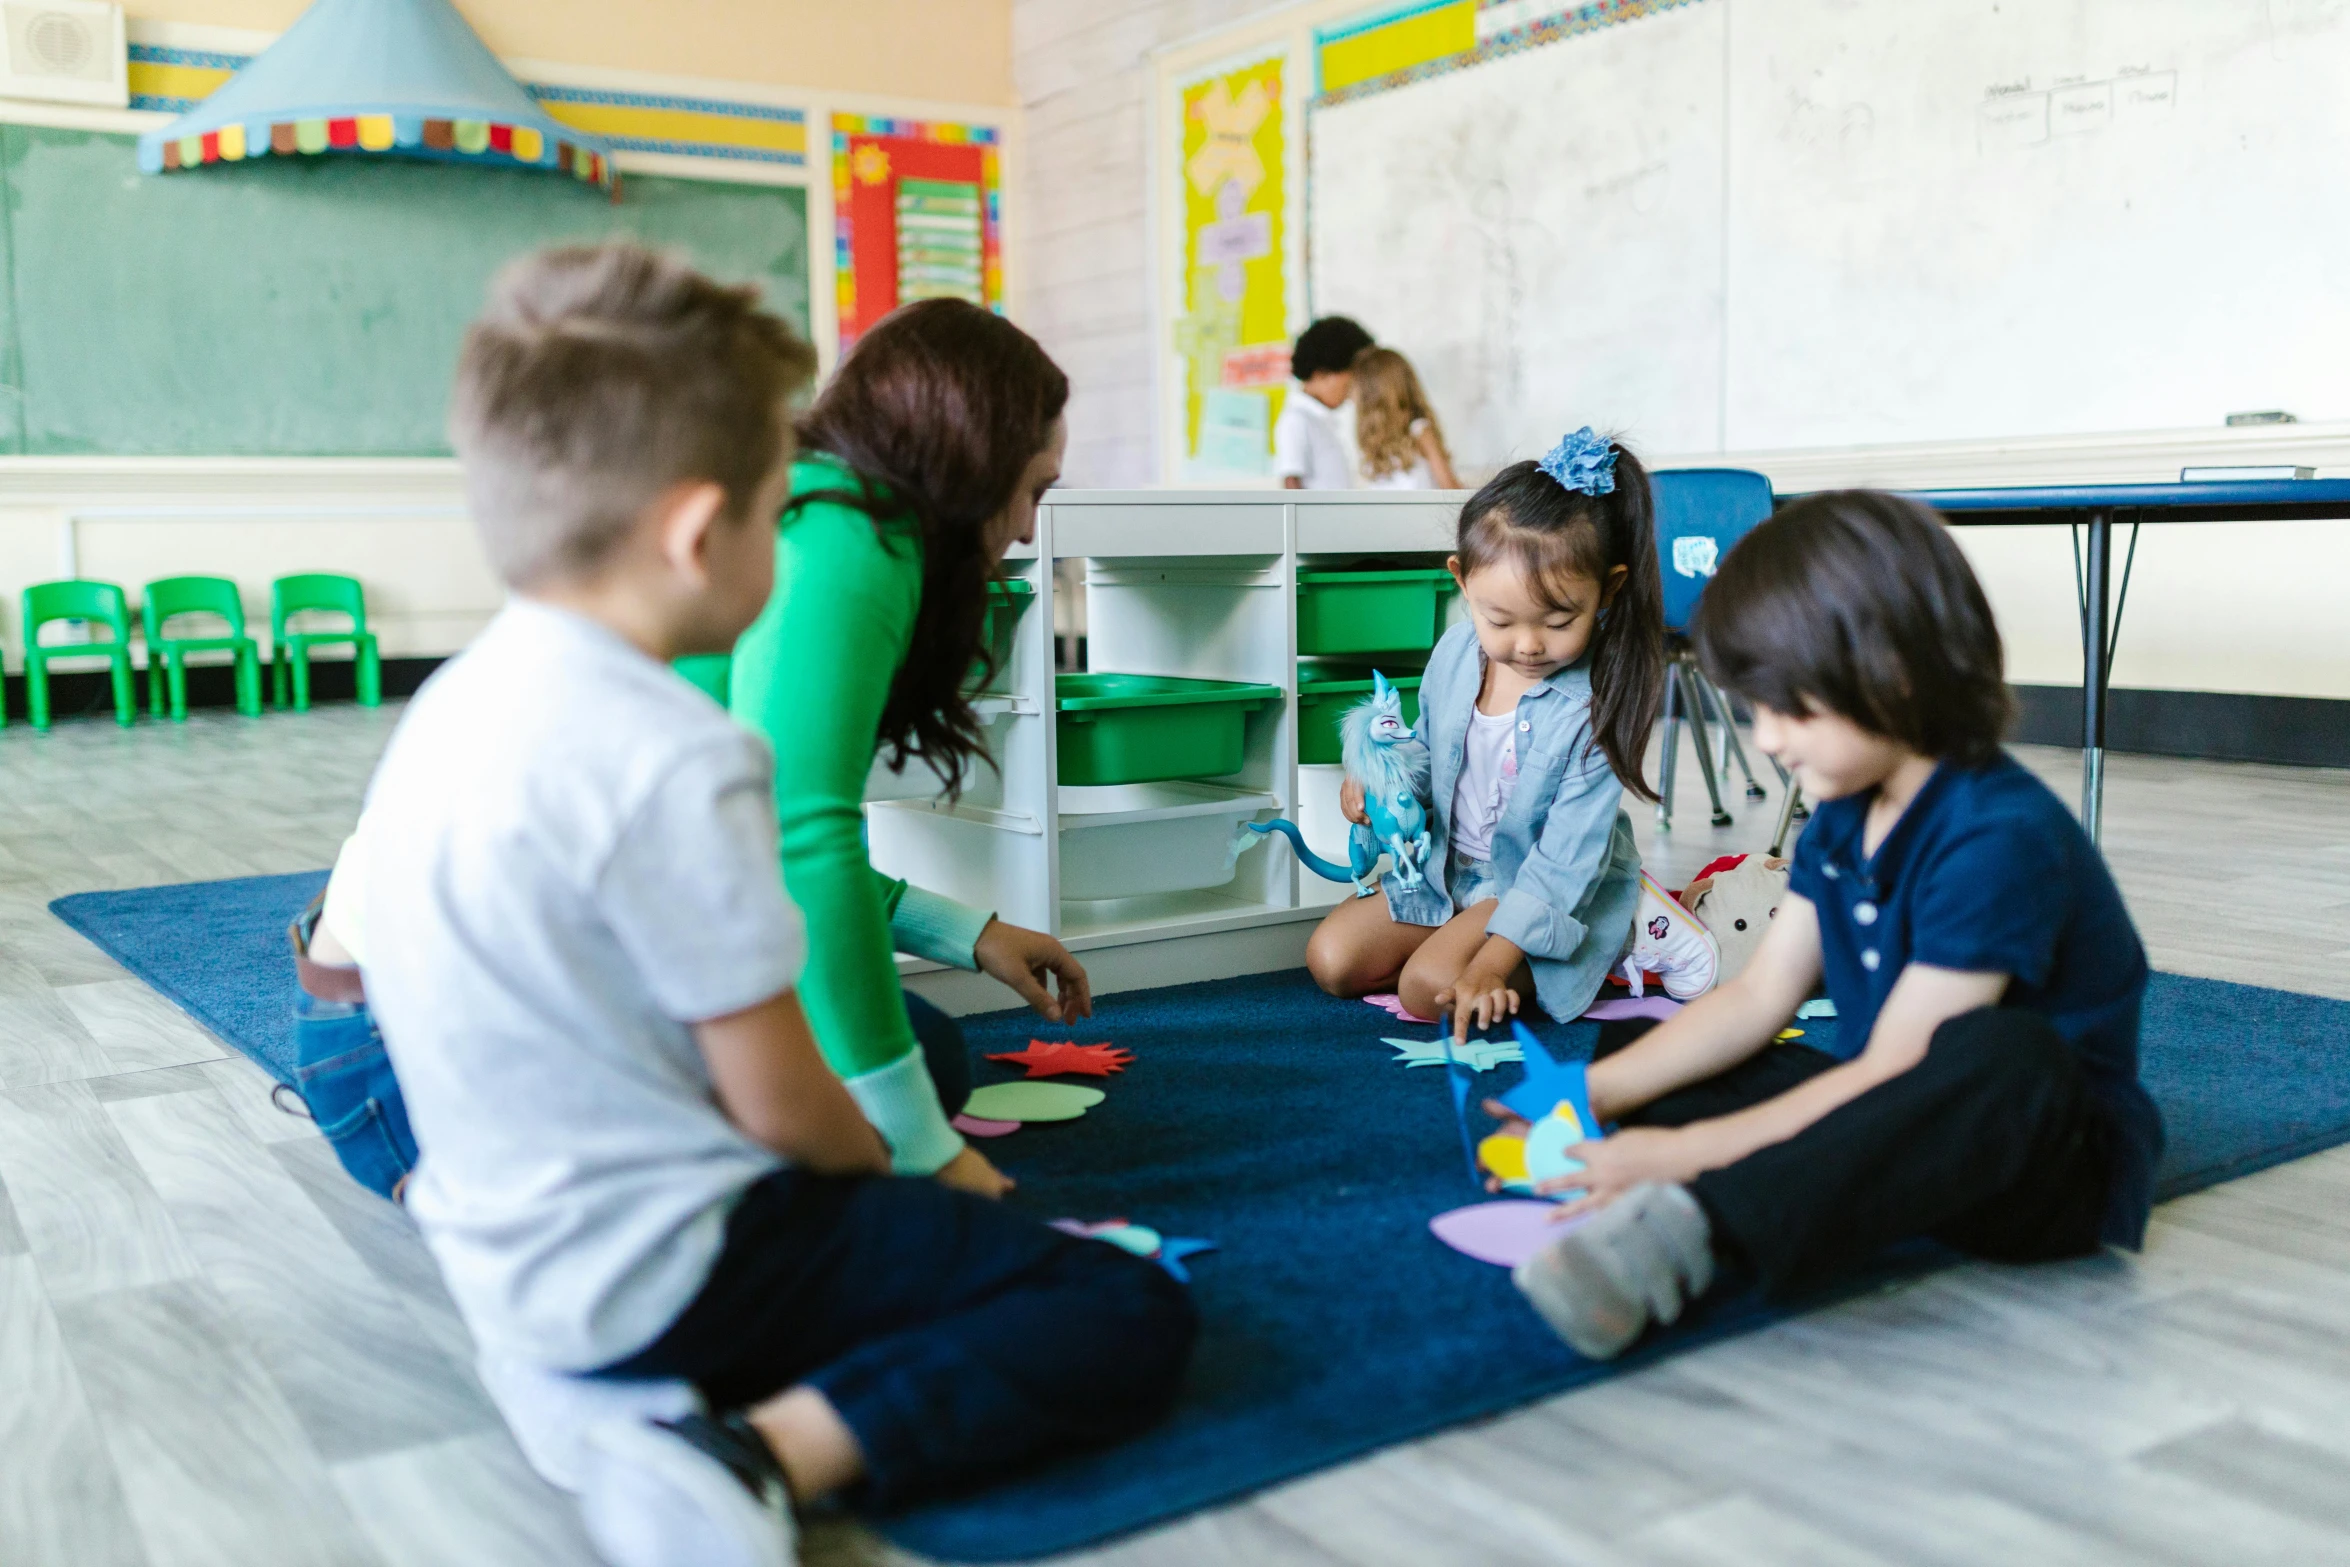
938,410
1861,604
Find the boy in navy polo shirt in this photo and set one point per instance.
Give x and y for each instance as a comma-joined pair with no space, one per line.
1983,1087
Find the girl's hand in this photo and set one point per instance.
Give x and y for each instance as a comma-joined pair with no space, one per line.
1485,996
970,1172
1614,1164
1350,803
1023,959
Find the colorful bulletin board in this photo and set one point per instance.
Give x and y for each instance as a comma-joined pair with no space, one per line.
917,214
1233,334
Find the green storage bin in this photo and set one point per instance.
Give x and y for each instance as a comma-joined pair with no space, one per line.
1007,601
1326,689
713,672
1370,611
1120,729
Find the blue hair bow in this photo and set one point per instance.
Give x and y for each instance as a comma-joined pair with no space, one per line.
1583,462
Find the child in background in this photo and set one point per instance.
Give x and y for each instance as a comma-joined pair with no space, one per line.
634,1163
1536,713
1983,1088
1313,440
1396,430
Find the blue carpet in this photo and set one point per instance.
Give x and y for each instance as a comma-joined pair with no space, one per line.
1265,1116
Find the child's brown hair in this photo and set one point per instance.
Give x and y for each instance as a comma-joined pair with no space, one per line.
1861,604
599,377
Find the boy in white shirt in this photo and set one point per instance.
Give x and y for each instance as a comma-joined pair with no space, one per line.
1313,440
633,1161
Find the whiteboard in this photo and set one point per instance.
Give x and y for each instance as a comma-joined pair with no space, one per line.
1540,235
1933,219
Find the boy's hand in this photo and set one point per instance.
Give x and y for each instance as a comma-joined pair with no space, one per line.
1614,1164
1350,803
970,1172
1480,994
1023,959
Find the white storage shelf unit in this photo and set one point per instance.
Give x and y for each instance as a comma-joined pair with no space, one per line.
1138,878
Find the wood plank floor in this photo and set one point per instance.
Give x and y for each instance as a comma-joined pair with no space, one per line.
215,1349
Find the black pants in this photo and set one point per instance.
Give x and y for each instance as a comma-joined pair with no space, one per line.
1992,1144
943,1051
955,1337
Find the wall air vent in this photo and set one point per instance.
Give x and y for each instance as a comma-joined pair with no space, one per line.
63,51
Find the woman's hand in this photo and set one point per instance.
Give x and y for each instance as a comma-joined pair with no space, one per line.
1614,1164
970,1172
1481,994
1350,803
1023,958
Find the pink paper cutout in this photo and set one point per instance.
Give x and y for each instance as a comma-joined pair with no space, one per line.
1504,1233
976,1126
1659,1007
1394,1005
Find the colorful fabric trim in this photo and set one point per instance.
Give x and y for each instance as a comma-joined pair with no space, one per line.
460,140
1497,42
177,80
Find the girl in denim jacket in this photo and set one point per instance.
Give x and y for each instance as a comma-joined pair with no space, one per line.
1536,713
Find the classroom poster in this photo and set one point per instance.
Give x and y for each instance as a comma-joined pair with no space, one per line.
917,214
1233,334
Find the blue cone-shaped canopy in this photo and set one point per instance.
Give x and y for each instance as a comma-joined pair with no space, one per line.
405,78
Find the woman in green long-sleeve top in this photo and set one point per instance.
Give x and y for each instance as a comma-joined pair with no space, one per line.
920,464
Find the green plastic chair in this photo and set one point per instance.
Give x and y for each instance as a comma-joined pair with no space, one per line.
167,656
97,603
289,661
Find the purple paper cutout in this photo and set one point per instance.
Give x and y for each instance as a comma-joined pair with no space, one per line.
1658,1007
1394,1006
1504,1233
980,1126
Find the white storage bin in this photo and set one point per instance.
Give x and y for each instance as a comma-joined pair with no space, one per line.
1126,840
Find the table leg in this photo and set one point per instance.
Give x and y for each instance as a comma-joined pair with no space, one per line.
2095,641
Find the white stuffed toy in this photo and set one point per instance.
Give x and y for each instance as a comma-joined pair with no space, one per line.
1737,898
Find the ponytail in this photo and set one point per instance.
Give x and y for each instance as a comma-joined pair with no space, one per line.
1581,512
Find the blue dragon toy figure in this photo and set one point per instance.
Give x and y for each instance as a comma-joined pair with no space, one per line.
1382,754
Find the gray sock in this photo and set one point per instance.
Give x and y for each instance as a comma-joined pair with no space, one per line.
1638,1260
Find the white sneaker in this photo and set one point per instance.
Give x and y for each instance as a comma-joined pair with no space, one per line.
696,1492
1671,942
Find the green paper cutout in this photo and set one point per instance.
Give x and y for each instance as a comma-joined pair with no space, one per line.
1025,1101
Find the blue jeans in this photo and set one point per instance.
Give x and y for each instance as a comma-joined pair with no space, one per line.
345,1081
956,1338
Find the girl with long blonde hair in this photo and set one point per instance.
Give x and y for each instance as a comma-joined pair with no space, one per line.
1402,447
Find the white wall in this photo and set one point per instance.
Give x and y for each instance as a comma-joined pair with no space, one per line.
1081,70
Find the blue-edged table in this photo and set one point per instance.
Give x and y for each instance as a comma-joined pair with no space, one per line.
2095,508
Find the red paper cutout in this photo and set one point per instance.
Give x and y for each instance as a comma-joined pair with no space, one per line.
1050,1059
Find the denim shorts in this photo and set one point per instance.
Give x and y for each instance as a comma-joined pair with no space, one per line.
1470,882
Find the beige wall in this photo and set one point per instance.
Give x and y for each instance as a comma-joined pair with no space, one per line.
953,50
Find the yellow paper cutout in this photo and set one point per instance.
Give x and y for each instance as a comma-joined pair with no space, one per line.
1230,152
1504,1155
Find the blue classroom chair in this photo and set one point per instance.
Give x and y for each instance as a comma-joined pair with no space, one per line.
1701,514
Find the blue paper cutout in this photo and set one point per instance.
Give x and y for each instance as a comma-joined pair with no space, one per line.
1174,1248
1549,1082
1463,1083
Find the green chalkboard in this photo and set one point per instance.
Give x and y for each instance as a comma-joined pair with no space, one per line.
298,306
